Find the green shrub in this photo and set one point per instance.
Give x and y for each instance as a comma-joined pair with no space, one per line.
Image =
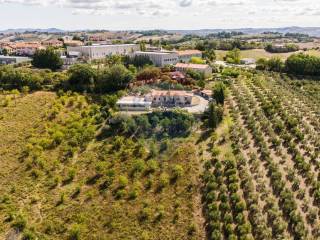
28,235
75,232
164,180
122,181
144,214
177,171
20,222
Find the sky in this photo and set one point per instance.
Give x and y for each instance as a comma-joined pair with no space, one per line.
157,14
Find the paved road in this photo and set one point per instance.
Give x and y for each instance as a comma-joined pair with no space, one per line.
200,108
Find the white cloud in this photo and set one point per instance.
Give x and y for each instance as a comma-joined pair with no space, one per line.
188,12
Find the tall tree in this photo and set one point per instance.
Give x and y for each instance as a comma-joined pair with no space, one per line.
215,115
114,78
219,93
82,77
47,58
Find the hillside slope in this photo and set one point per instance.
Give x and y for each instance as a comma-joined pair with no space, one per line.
59,182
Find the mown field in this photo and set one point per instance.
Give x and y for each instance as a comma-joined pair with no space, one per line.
262,182
261,53
59,181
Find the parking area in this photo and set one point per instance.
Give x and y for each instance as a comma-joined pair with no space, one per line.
200,107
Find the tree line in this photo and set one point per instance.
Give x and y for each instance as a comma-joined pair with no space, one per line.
282,49
298,64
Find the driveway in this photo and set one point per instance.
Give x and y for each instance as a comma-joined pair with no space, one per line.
201,106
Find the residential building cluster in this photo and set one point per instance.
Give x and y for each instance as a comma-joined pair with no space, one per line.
76,51
20,48
156,98
101,51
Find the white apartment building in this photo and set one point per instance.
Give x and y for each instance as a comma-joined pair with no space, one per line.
160,58
101,51
13,59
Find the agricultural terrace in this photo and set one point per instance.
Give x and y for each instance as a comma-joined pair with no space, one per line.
262,180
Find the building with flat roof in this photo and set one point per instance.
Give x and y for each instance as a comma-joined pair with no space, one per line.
160,58
13,59
101,51
186,55
133,103
202,68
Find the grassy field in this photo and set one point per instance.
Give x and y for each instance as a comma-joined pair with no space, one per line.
59,182
261,53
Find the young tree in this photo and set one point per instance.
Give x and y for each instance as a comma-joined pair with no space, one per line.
275,64
215,115
233,56
219,93
209,54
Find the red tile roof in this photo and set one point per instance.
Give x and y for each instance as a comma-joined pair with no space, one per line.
191,65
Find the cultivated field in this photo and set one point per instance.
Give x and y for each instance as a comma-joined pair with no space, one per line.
261,53
263,180
67,172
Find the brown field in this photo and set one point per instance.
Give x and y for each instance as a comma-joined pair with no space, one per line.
261,53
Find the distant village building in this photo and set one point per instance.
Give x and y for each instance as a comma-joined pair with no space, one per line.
73,43
202,68
6,49
52,43
101,51
160,58
21,48
185,56
13,60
